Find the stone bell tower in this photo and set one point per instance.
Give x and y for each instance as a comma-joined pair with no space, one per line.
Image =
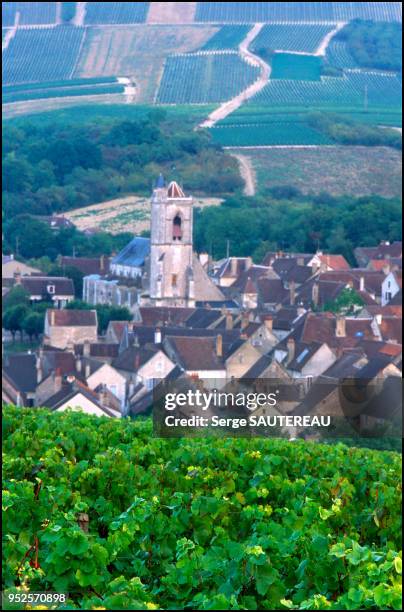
171,255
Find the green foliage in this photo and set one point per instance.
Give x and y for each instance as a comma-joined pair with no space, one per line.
347,302
196,524
374,45
53,166
13,319
341,223
16,296
296,67
33,324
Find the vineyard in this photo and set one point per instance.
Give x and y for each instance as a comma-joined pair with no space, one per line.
31,13
101,510
296,67
253,12
338,55
353,90
228,37
44,54
98,13
60,89
204,78
275,133
304,38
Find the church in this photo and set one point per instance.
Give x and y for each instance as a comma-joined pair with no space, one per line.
162,271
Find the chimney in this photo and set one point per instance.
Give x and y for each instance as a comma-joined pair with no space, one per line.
340,327
219,346
102,263
157,336
248,263
291,350
204,260
57,380
87,371
269,322
233,266
362,283
52,317
300,261
292,292
79,364
379,318
229,320
137,362
39,372
245,320
17,276
315,294
86,348
70,346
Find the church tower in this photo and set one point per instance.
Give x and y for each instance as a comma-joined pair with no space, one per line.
171,255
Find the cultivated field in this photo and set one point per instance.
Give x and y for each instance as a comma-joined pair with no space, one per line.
201,79
337,170
138,51
305,38
130,214
31,13
248,12
116,12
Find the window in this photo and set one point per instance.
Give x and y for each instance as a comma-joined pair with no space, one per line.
51,289
177,229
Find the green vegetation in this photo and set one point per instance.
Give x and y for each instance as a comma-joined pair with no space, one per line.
296,67
273,133
374,45
101,510
304,38
293,222
228,37
203,79
55,166
23,87
18,315
346,303
68,11
62,92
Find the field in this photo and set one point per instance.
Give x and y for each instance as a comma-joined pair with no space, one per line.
131,214
338,55
253,12
63,92
338,169
201,79
228,37
304,38
31,13
99,13
45,54
352,90
138,51
296,67
121,520
281,131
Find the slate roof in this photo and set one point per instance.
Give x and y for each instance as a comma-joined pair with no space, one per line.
69,391
303,353
271,291
87,265
38,285
196,353
164,315
21,370
133,358
134,254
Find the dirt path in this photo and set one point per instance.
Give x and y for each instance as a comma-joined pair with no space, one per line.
231,105
58,19
171,12
252,147
322,48
11,32
247,173
80,14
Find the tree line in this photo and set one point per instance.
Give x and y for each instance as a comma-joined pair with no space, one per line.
374,44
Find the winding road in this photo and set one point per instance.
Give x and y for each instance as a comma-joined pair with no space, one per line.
231,105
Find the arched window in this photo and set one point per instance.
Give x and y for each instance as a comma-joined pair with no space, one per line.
177,229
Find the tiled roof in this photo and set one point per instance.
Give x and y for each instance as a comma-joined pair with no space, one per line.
271,291
164,315
336,262
21,370
195,354
87,265
133,358
72,318
38,285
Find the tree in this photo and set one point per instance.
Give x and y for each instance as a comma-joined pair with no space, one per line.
15,297
33,324
13,319
347,302
70,272
33,237
106,313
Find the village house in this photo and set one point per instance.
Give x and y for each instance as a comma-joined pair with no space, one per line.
56,289
69,326
10,267
392,285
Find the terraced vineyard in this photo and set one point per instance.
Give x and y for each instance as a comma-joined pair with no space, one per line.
98,13
59,89
338,55
305,38
253,12
31,13
350,91
228,37
296,67
275,133
201,79
43,54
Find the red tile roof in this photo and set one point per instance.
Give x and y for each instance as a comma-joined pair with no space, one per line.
72,318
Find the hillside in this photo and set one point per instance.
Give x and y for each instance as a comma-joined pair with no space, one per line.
101,510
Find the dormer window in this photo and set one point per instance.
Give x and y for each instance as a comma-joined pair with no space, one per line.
51,289
177,229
